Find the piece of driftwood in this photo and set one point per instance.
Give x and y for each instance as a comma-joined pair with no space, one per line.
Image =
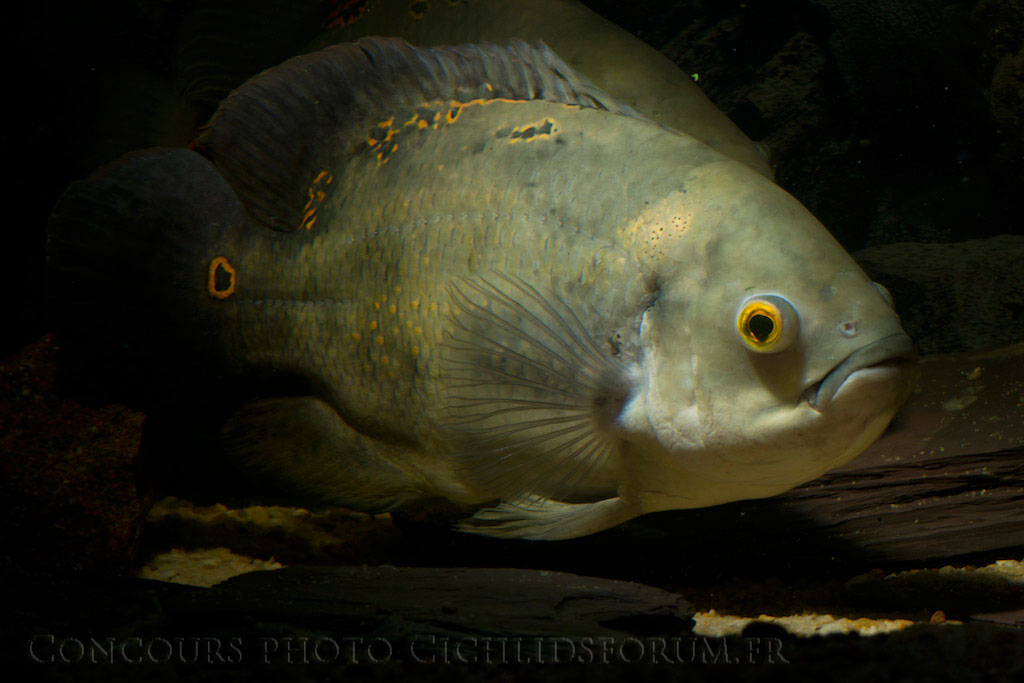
946,480
1009,618
458,600
940,508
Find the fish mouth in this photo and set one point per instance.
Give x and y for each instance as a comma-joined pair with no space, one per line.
895,351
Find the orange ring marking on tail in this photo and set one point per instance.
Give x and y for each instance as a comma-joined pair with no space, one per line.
211,282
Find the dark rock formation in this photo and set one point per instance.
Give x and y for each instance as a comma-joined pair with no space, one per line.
458,602
68,489
954,297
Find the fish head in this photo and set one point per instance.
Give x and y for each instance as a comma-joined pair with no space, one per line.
767,357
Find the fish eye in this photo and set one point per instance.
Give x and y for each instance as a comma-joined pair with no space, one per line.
767,323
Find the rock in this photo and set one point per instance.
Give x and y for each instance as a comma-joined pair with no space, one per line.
334,535
68,489
83,628
892,120
1003,60
954,297
404,602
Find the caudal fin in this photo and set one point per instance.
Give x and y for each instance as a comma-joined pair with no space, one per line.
132,255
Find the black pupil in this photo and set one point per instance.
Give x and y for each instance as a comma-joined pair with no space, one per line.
761,327
221,278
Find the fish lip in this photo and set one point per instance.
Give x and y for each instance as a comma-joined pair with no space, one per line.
896,349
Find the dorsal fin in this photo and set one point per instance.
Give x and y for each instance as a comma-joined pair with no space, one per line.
273,135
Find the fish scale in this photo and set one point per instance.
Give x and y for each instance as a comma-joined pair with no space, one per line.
417,254
467,273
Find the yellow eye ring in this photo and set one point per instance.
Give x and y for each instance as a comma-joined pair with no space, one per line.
767,323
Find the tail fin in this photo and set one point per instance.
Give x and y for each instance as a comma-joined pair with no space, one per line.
131,253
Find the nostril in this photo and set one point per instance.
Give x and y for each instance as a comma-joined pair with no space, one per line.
849,328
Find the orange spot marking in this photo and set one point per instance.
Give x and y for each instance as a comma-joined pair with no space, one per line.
392,309
373,324
379,340
356,336
345,13
211,283
316,196
480,101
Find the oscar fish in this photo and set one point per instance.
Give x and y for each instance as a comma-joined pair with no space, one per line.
468,273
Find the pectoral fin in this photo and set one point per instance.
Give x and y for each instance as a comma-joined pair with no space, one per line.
531,398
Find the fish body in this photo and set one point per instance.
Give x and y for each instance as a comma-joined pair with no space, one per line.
484,279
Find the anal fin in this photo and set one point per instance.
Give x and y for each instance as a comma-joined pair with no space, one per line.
537,518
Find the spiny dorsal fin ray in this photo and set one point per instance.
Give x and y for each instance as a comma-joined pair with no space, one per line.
530,398
272,136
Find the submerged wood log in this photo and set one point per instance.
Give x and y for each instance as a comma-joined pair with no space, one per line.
940,508
946,480
403,602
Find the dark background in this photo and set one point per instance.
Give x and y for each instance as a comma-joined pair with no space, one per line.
892,120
